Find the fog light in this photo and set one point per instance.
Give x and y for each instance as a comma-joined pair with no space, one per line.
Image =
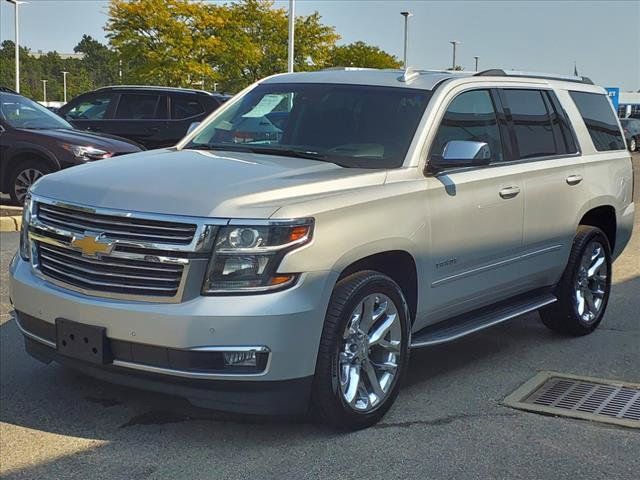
240,359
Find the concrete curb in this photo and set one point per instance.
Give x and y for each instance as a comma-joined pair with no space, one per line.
11,223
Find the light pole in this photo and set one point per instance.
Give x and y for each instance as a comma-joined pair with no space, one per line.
292,24
476,58
44,91
16,4
455,43
406,16
64,86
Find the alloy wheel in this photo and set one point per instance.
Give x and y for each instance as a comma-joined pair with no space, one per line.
370,353
591,282
24,180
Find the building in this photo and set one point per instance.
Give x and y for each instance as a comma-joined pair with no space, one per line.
629,104
64,56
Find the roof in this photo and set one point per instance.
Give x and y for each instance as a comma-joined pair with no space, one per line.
420,79
154,87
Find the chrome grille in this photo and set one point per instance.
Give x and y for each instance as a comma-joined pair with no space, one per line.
122,227
109,274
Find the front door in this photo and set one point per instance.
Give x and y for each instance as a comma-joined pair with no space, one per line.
475,215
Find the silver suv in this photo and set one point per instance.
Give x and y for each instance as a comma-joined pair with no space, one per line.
289,253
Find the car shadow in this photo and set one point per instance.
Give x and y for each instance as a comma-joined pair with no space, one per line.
59,401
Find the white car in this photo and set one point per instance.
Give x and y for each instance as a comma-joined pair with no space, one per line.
290,251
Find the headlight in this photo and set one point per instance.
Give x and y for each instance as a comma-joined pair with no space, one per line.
87,153
25,243
246,257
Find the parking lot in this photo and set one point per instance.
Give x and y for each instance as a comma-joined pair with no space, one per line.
448,422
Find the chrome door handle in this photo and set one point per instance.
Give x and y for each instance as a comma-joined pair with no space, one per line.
574,179
509,192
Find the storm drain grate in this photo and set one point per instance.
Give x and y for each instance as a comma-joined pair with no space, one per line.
580,397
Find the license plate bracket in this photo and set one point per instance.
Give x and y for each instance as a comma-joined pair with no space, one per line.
83,342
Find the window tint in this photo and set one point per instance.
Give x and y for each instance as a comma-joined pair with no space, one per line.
470,116
93,107
183,106
600,120
565,141
137,106
531,123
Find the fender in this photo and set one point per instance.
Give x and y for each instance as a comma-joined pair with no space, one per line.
21,148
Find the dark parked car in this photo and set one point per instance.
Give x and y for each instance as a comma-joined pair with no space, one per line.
155,117
631,128
35,141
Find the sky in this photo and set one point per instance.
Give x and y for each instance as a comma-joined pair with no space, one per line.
602,37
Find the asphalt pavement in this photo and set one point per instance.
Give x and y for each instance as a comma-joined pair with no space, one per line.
448,422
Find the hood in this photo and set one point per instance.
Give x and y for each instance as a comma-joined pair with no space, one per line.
79,137
202,183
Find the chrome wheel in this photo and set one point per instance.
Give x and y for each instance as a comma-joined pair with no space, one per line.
591,282
370,353
633,145
24,180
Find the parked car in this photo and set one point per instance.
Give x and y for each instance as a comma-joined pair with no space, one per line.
35,141
270,266
155,117
631,129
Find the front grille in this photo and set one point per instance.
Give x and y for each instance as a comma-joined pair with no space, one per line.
115,226
110,274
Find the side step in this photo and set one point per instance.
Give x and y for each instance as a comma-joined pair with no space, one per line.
463,325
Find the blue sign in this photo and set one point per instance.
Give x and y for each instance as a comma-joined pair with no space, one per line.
614,96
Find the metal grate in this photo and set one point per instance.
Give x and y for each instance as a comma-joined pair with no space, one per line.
580,397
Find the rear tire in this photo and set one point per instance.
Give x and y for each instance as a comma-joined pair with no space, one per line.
23,175
363,351
583,291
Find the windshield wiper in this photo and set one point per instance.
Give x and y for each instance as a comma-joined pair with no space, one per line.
285,152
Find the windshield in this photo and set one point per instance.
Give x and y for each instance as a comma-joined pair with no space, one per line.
351,125
20,112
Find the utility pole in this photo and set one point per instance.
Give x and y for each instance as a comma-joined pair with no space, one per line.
406,16
64,86
476,58
455,43
16,5
292,26
44,91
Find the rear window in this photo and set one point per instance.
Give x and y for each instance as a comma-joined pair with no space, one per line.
137,107
183,106
600,120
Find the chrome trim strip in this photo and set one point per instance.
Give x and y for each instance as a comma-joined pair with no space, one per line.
252,348
491,266
249,222
500,319
33,336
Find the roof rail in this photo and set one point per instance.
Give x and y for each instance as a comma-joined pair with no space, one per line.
154,87
498,72
346,69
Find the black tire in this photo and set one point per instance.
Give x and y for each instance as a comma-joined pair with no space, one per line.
563,316
327,400
15,190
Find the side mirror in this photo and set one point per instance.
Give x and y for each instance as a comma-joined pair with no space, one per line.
462,153
192,127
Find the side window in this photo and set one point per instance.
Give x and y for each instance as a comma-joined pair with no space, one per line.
470,116
185,106
565,141
136,106
598,116
93,107
532,125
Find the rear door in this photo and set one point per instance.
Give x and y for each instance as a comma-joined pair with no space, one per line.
185,108
141,117
553,174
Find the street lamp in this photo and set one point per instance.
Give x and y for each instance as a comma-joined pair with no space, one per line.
44,91
406,16
16,4
292,23
64,85
455,43
476,58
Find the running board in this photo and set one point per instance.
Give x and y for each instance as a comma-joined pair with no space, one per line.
463,325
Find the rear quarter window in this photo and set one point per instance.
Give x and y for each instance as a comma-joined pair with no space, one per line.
601,122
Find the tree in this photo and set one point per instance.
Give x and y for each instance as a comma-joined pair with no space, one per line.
100,61
359,54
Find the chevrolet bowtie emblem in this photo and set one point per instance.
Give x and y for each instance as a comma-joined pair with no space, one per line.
91,245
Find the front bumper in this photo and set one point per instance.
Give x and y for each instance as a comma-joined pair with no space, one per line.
288,323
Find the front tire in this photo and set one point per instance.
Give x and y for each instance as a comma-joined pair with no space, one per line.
363,351
23,175
583,291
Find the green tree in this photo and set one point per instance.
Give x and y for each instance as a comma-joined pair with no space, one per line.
100,61
359,54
